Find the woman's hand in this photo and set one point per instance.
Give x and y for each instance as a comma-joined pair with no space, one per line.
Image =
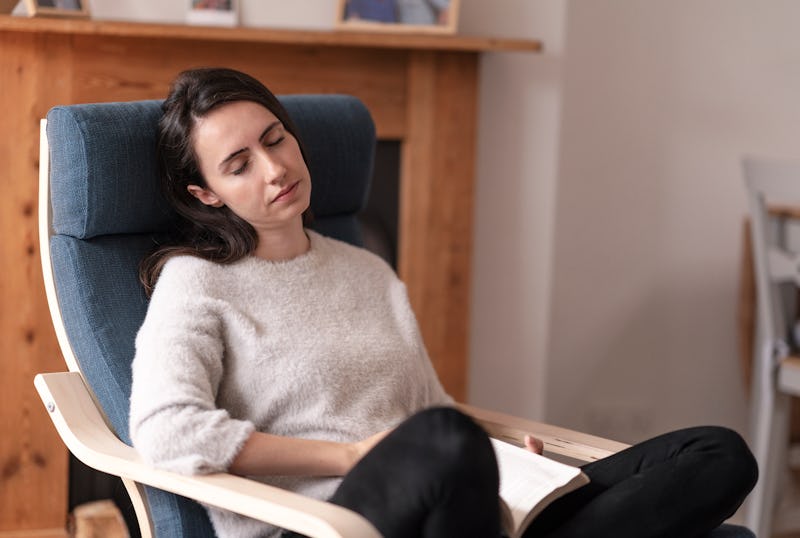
359,449
534,445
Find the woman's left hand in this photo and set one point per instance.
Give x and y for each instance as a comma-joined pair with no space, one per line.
534,445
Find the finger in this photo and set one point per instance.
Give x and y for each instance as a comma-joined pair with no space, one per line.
534,445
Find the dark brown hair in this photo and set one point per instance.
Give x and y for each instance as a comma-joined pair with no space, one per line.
213,233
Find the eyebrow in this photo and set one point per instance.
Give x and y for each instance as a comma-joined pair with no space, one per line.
264,133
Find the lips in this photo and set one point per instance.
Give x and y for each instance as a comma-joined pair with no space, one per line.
285,193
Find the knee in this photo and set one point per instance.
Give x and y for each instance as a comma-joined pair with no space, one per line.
730,453
456,442
449,427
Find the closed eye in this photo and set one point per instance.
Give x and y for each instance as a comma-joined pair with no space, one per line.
276,127
274,142
242,169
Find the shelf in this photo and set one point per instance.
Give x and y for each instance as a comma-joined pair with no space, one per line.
330,38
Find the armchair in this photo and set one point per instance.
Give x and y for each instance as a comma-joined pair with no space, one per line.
100,211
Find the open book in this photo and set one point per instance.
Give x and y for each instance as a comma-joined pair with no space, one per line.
528,483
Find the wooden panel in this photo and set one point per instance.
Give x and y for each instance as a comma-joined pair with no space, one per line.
436,205
377,77
371,40
39,533
33,461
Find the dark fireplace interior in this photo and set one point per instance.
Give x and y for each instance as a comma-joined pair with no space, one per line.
380,219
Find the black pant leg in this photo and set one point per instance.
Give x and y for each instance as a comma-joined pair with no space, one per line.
435,475
684,483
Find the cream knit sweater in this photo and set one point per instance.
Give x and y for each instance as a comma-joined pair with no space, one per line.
323,346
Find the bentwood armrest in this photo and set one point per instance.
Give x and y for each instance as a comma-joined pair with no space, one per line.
558,442
84,431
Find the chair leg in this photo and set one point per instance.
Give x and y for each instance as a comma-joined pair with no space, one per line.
770,429
138,496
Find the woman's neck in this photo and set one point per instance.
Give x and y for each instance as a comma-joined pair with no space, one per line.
282,245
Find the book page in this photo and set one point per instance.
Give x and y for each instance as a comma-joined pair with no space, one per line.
529,482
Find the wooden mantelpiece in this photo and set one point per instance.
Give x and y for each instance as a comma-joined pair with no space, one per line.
405,41
421,89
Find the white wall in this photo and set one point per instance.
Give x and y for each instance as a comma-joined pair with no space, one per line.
660,102
519,117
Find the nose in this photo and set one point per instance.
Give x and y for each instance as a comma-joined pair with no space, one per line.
272,168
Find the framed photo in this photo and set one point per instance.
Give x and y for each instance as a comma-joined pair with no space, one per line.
58,8
434,16
7,6
213,12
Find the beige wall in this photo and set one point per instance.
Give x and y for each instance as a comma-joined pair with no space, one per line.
609,198
660,102
520,106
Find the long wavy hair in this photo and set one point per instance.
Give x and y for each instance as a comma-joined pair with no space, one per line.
213,233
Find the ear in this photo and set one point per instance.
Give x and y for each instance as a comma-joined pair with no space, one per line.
204,195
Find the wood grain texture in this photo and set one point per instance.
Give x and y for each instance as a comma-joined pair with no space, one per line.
98,519
33,462
59,532
375,76
436,206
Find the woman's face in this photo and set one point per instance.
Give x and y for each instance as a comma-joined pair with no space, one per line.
251,164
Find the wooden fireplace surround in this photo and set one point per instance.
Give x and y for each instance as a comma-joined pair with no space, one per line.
421,90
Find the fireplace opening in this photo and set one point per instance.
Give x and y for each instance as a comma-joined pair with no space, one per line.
379,221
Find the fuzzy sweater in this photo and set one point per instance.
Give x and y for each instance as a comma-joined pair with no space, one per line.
323,346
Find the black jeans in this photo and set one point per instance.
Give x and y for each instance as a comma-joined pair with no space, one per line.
435,476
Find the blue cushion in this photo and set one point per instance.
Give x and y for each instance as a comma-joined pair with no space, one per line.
339,136
107,210
103,306
103,169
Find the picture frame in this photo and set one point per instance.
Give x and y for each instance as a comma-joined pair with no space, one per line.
409,16
213,12
7,6
58,8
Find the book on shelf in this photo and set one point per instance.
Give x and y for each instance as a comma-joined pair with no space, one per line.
528,483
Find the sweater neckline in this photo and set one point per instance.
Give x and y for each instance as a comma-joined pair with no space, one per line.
304,262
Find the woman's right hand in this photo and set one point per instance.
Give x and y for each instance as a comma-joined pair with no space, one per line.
360,448
534,445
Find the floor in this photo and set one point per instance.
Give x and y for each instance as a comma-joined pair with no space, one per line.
787,522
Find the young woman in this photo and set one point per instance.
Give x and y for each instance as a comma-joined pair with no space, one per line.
271,351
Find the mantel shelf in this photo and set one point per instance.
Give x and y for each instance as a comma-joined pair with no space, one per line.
333,38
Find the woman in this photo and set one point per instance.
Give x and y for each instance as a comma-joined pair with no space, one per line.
271,351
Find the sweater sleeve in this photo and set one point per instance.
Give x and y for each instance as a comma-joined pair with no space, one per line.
174,421
434,392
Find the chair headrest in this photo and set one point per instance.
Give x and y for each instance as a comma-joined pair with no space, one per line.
104,173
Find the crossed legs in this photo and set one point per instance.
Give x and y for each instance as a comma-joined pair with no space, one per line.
436,476
684,483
